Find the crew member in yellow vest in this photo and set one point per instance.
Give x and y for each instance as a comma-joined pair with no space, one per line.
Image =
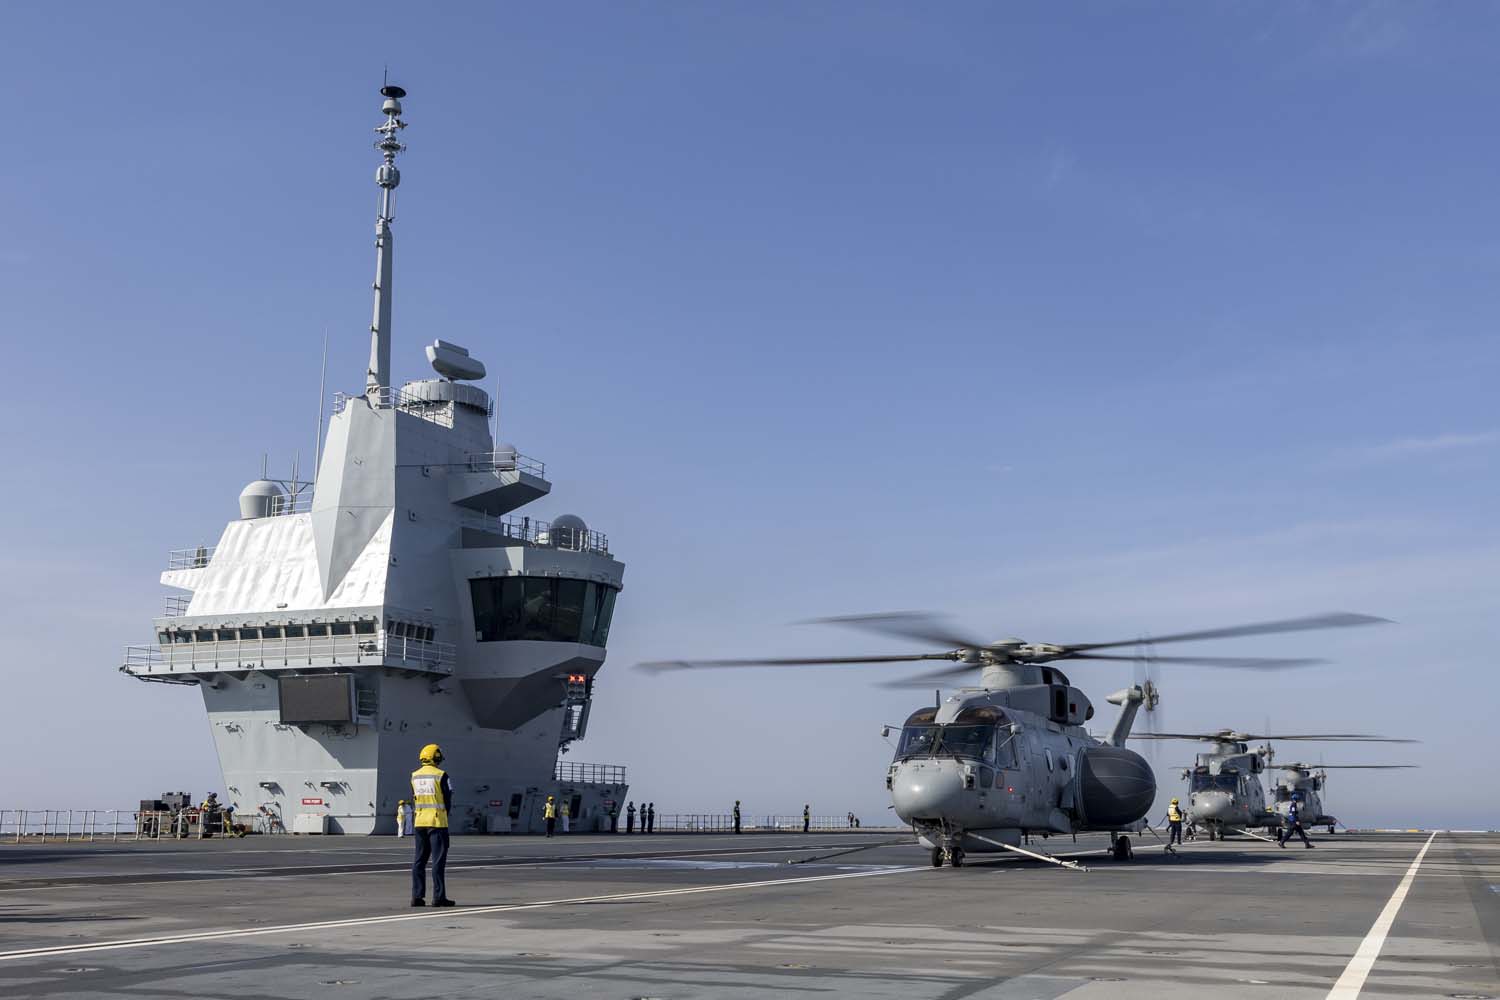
1174,824
403,818
432,794
549,813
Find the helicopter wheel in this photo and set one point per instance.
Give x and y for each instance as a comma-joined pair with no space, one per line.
1123,850
956,858
937,857
1331,831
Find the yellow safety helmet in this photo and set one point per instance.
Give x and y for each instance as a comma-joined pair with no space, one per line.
549,798
431,754
1174,802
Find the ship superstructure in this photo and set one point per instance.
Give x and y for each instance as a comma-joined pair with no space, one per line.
397,600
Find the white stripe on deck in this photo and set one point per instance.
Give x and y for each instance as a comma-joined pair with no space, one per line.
1358,969
428,914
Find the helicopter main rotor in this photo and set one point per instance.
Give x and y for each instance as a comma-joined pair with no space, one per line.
967,653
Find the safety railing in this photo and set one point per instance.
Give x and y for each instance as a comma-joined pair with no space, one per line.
793,823
194,558
506,460
300,502
429,655
589,774
540,533
176,605
30,826
437,411
724,823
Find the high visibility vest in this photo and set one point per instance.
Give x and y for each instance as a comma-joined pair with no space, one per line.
551,811
427,793
1174,814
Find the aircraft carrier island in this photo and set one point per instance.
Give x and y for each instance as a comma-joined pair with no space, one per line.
396,600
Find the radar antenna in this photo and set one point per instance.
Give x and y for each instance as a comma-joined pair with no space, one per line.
378,376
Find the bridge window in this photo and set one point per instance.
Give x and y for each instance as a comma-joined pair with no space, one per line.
542,609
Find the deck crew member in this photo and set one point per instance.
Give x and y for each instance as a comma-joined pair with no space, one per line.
432,794
630,817
614,816
1174,823
403,818
549,813
1294,825
651,817
736,815
807,817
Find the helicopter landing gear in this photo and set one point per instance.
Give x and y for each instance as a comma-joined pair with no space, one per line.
953,856
1121,849
1331,830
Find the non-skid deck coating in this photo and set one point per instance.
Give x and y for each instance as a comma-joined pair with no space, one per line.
725,916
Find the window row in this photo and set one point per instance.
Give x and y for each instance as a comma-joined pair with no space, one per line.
406,630
317,630
542,608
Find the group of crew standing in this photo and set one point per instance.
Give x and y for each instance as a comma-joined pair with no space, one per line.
647,813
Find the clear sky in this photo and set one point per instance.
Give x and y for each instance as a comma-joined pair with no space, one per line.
1073,321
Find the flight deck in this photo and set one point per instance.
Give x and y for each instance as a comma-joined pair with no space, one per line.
680,916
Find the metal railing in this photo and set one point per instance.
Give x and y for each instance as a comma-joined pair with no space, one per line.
176,605
300,502
304,651
194,558
437,411
589,774
19,826
29,826
540,533
724,823
506,460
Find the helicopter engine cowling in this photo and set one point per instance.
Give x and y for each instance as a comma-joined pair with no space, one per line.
1116,787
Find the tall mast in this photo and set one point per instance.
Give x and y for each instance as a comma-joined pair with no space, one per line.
387,177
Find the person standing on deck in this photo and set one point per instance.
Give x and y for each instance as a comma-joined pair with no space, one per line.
432,793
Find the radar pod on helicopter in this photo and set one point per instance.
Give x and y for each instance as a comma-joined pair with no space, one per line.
1224,787
1010,757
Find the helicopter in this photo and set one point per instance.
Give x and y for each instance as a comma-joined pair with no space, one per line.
1009,757
1224,787
1303,784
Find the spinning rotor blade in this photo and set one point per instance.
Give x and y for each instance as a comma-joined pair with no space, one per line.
1344,767
924,679
1341,619
1235,662
907,625
792,661
1228,736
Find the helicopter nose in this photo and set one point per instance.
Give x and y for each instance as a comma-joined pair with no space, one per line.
926,789
1211,805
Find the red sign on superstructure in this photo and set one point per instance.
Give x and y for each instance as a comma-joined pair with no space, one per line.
312,802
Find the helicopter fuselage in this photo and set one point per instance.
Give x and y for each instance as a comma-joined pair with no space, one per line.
1225,791
1306,789
987,766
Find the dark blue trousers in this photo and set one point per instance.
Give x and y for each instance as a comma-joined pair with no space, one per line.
432,841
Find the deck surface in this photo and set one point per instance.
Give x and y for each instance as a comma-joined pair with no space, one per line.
710,916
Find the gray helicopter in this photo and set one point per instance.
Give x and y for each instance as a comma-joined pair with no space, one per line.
1224,786
1303,784
991,764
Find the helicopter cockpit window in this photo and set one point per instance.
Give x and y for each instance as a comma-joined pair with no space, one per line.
1205,782
916,741
972,742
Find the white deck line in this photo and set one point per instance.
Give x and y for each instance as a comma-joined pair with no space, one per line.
1355,973
427,914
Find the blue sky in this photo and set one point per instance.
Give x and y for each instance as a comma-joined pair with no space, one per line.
1075,322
